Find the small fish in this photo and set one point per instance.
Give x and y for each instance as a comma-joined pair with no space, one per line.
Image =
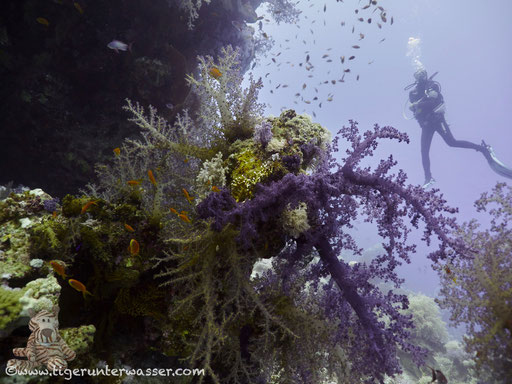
129,228
43,21
134,247
79,287
307,58
184,217
391,20
215,188
351,57
215,73
369,20
342,59
117,151
347,70
378,25
325,7
151,177
117,46
187,196
356,46
381,40
361,36
357,78
54,214
324,56
265,35
173,211
78,7
329,99
59,268
133,182
304,86
87,206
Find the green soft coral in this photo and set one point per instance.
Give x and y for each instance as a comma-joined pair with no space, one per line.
250,171
10,307
79,339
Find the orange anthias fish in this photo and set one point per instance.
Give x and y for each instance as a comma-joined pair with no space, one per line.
54,214
174,211
129,228
78,7
184,217
215,189
215,73
117,151
79,287
133,182
134,247
87,206
43,21
188,197
151,177
59,268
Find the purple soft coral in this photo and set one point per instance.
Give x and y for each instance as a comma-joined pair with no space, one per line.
335,195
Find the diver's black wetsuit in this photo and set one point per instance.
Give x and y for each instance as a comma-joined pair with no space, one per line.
428,106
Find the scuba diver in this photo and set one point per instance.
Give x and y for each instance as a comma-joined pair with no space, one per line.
427,104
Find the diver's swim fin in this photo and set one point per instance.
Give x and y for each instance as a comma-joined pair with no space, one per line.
496,165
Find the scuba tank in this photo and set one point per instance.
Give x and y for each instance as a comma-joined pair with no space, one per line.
438,109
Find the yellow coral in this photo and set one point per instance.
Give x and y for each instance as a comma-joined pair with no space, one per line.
249,172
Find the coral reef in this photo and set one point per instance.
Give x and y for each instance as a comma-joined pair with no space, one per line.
40,294
162,255
79,339
65,93
477,288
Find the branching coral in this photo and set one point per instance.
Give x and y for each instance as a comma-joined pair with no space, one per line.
333,200
478,290
225,106
284,198
190,8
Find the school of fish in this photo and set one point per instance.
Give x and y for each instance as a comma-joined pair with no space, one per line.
368,11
